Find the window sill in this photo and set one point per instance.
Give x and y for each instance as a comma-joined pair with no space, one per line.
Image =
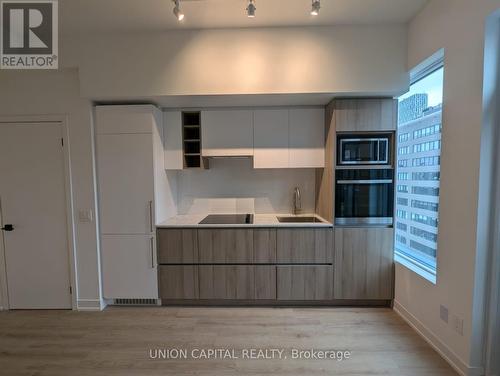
415,267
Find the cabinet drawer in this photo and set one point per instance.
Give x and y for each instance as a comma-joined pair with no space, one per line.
245,282
178,282
177,246
264,246
231,246
305,282
304,245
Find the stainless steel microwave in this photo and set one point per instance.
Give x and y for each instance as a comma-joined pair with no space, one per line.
364,149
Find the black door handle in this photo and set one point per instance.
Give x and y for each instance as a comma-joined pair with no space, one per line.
8,227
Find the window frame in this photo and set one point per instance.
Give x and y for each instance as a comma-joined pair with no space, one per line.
421,71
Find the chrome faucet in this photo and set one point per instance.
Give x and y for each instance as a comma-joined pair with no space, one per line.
297,202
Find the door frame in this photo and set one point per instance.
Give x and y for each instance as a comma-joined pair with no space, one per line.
68,188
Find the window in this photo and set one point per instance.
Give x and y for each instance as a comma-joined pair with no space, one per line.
402,188
400,238
432,206
430,236
402,201
404,137
402,214
426,146
404,150
427,131
422,176
426,161
424,219
418,169
403,163
428,191
401,226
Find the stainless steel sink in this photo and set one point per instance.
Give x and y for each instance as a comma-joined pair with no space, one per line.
299,219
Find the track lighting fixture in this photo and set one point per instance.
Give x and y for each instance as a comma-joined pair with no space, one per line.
177,10
315,7
251,9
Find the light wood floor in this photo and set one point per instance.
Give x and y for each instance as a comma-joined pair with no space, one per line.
117,341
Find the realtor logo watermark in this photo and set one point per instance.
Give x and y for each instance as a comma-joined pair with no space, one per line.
29,34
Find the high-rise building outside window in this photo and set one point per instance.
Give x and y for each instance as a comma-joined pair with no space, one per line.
418,170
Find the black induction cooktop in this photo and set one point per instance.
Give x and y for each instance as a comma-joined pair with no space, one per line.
227,219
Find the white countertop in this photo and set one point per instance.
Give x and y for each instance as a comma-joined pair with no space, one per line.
259,220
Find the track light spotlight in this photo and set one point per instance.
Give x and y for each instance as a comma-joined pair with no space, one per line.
177,10
251,9
315,7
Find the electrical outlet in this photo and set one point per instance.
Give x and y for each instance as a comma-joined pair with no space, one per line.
85,216
443,313
457,324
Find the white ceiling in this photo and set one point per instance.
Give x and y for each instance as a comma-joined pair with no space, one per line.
103,16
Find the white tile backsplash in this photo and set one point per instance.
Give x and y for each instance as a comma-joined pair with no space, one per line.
234,186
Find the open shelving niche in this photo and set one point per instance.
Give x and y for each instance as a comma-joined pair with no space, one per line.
191,140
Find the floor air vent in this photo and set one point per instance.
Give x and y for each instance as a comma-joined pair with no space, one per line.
135,302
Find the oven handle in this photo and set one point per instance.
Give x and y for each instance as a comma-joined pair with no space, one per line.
381,181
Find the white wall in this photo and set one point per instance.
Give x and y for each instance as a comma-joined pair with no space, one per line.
343,59
233,185
459,27
489,198
57,93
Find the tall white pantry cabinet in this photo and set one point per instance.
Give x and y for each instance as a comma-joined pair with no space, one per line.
127,140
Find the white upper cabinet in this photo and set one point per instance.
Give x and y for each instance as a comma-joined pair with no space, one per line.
289,138
276,138
226,133
270,139
172,133
307,138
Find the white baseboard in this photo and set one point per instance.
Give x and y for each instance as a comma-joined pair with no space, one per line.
90,305
446,353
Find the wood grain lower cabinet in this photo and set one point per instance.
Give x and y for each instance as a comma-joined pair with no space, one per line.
305,282
264,246
246,263
304,245
225,246
244,282
364,263
178,282
177,246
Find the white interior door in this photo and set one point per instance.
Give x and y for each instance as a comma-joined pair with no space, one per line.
33,200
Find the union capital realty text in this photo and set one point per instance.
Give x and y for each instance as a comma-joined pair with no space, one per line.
247,353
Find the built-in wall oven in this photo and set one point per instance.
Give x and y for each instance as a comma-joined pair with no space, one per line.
364,197
364,149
